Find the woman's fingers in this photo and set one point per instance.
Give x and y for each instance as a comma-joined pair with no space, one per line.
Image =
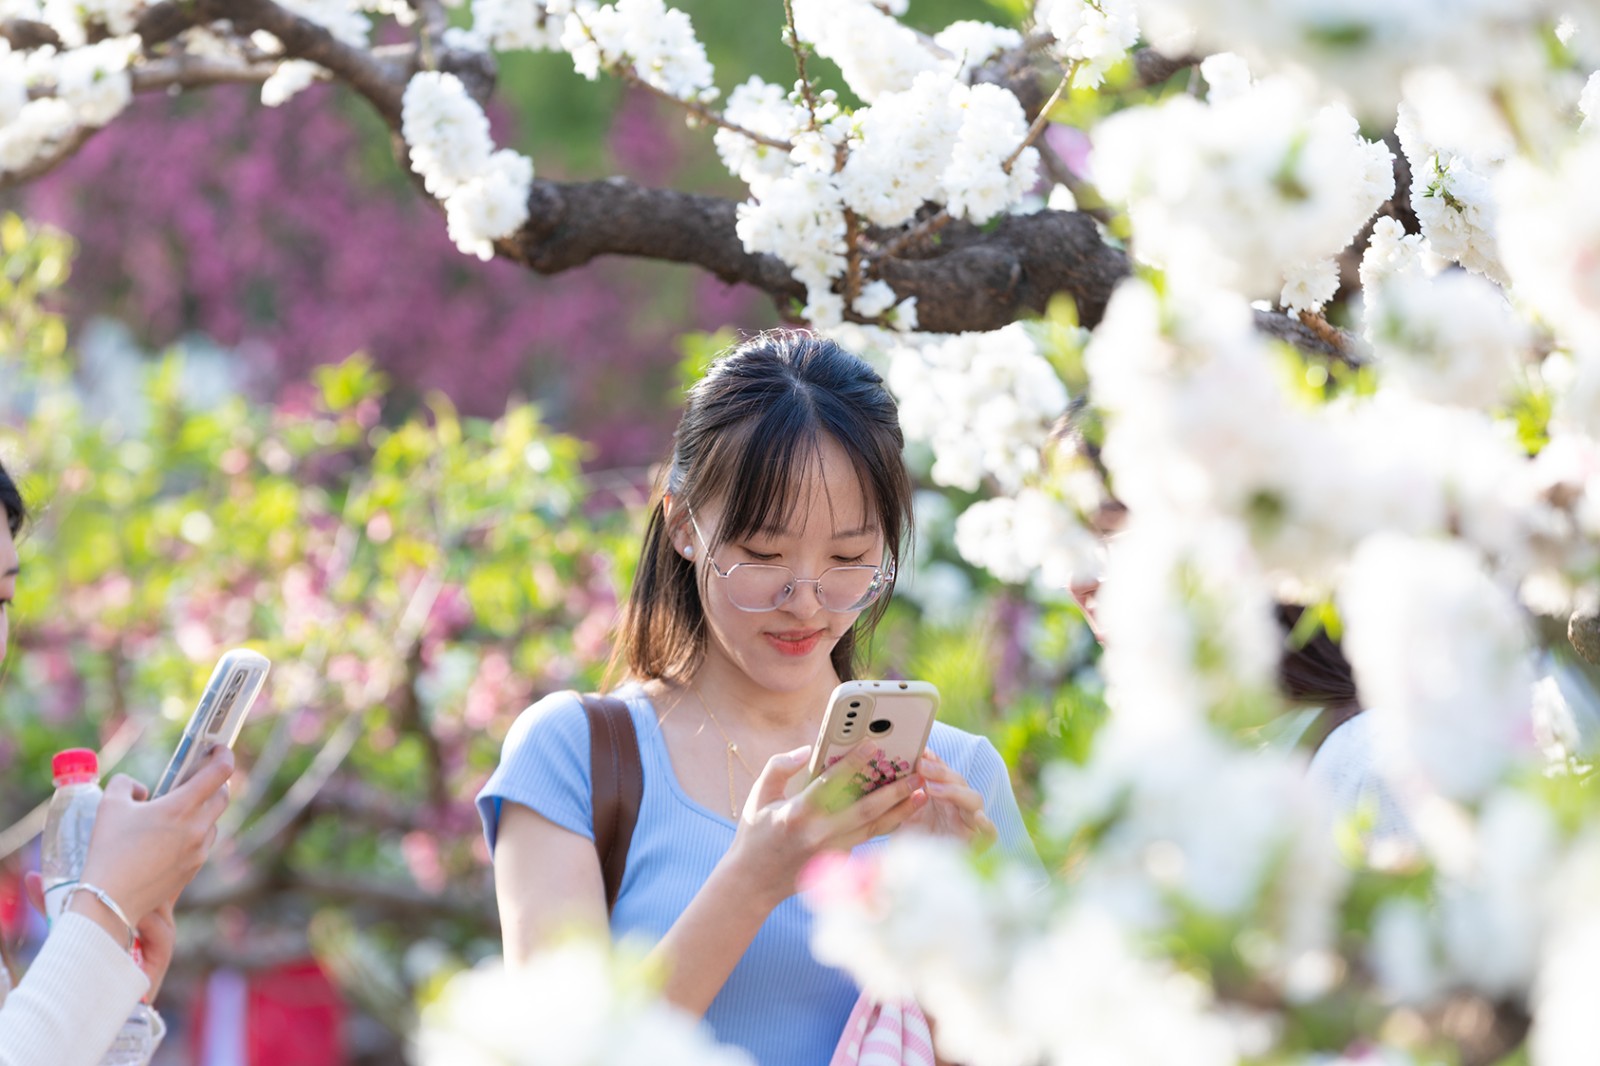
776,775
214,772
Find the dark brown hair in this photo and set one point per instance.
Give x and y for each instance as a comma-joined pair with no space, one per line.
1316,671
11,501
749,431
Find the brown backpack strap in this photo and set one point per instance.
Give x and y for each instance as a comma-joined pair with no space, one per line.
616,785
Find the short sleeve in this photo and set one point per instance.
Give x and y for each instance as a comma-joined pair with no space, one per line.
976,759
988,774
544,766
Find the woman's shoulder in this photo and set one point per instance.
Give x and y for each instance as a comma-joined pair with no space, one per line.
963,750
561,717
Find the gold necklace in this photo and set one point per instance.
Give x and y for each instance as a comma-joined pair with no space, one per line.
733,753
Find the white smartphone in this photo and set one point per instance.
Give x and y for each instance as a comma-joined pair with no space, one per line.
896,716
220,714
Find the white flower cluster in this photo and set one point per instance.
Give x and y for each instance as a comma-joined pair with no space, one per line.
1363,51
1308,482
1247,191
346,21
1031,533
509,25
1189,821
875,51
1440,653
1452,194
655,40
1485,930
1449,338
1188,628
938,140
984,401
1549,230
87,86
1097,34
1010,984
765,109
485,192
972,44
573,1005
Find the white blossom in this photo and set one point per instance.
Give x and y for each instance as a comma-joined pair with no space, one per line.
1243,190
485,192
800,219
509,25
1362,51
875,52
447,131
1589,102
571,1005
763,108
903,146
984,401
1009,984
1440,656
1097,34
38,125
1548,233
1452,194
94,79
977,184
657,41
291,77
1031,534
974,43
492,205
1449,339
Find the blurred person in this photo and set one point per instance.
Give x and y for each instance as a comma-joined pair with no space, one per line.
85,980
788,455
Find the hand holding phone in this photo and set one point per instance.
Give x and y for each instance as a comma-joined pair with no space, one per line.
895,717
218,717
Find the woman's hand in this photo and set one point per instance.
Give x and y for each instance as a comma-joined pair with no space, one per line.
144,852
779,834
158,934
954,809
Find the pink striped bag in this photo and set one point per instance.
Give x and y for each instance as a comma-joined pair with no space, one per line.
885,1034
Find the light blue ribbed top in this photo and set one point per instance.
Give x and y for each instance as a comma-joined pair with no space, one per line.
780,1003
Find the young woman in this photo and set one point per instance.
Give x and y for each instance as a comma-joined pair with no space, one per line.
767,560
84,983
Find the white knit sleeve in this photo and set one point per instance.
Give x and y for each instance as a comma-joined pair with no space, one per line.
74,998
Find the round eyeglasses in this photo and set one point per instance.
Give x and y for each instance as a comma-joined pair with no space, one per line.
766,586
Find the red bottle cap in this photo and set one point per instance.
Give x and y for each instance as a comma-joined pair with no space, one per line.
75,765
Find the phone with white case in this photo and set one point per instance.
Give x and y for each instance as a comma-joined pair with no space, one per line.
220,714
894,716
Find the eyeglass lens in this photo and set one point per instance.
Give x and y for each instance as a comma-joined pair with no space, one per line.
761,587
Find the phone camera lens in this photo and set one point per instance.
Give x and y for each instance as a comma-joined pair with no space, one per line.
855,703
850,714
880,725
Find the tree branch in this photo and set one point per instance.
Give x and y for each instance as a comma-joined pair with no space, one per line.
381,82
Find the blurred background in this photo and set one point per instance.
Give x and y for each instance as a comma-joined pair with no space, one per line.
258,397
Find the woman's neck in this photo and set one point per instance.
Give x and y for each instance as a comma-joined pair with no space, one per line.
734,696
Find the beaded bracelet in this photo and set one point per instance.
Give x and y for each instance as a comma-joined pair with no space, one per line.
110,904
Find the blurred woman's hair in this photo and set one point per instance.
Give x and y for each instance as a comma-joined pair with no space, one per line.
11,501
753,428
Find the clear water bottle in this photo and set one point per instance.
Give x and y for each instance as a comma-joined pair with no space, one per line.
65,847
68,825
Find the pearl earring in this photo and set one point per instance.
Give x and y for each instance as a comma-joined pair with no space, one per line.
688,551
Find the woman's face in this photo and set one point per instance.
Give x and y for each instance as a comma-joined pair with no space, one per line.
788,648
8,582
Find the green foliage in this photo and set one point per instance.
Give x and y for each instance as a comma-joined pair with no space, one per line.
415,584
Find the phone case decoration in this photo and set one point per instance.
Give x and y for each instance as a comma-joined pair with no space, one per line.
880,770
